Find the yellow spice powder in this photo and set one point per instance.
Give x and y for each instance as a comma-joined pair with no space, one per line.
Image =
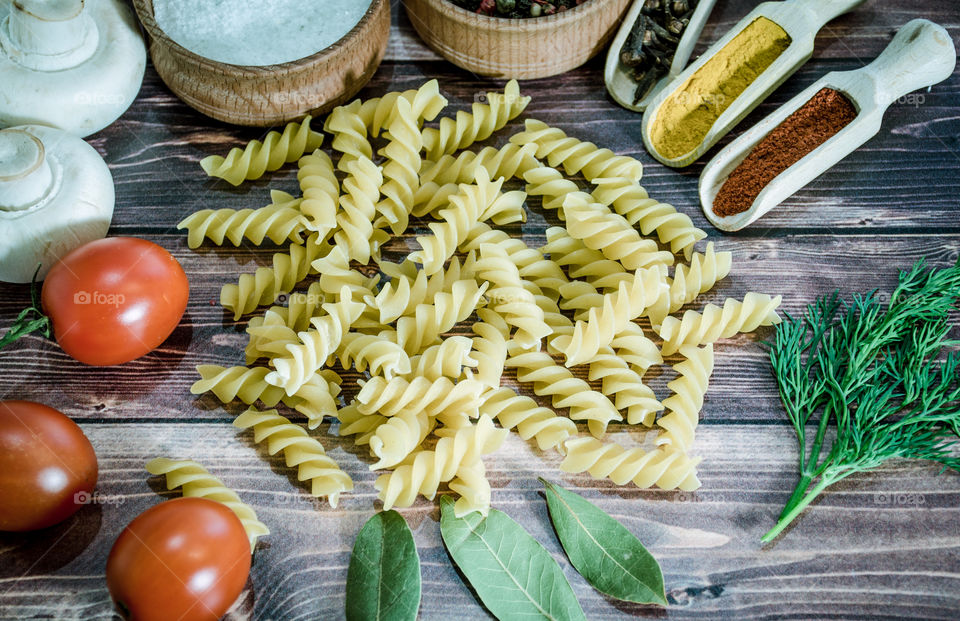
685,118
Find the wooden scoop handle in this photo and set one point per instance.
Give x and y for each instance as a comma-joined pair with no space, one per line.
920,55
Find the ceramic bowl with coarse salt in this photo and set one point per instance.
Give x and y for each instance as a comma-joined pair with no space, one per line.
523,48
266,93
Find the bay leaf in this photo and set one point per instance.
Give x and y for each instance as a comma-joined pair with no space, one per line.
383,581
515,576
605,553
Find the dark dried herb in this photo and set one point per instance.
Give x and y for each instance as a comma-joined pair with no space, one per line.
513,9
649,48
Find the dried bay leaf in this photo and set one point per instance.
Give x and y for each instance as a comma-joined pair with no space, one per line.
383,581
605,553
515,576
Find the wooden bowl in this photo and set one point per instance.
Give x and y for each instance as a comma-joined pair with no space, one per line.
528,48
271,94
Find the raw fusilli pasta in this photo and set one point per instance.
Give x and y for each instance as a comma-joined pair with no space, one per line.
299,450
715,323
468,128
349,133
704,271
401,295
399,436
663,467
684,405
258,157
316,345
509,298
430,321
508,161
320,189
553,188
229,383
437,397
582,262
636,349
358,209
382,356
277,222
576,156
401,170
626,386
630,200
423,471
196,482
611,234
263,286
617,311
474,489
531,420
426,103
446,359
490,349
564,390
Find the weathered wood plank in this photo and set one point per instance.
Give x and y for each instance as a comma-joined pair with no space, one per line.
902,562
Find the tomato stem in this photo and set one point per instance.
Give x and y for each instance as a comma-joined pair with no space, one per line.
30,319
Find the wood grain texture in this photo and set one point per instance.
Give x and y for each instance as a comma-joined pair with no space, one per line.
882,545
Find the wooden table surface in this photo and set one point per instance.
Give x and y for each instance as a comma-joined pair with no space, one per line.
881,545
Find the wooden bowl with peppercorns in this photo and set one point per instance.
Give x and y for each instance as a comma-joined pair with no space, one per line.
554,39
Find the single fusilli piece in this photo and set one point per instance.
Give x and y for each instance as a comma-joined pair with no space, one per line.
490,348
299,451
401,171
317,344
617,311
611,234
353,422
508,161
473,487
269,336
431,197
259,157
336,274
266,284
474,203
278,222
196,482
424,471
446,359
576,156
677,426
565,390
664,467
453,135
630,200
367,351
358,209
435,397
531,420
243,383
320,189
715,323
349,134
509,298
625,386
430,321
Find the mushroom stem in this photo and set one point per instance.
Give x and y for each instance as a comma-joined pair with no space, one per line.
25,175
47,35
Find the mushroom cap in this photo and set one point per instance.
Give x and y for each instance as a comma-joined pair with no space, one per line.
83,99
74,209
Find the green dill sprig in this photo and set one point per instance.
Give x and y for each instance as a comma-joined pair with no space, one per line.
876,375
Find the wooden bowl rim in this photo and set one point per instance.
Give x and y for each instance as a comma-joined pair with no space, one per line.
144,9
516,24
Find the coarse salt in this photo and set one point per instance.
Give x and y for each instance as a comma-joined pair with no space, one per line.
265,32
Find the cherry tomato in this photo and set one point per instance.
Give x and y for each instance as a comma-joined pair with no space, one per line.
114,300
185,559
47,466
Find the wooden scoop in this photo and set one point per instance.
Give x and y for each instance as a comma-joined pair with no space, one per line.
920,55
801,19
617,77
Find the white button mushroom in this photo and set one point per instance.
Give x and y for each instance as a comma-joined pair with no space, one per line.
56,194
68,65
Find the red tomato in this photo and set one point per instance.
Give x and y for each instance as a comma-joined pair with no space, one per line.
47,466
185,559
114,300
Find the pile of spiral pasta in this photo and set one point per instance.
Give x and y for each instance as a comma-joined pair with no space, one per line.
431,407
